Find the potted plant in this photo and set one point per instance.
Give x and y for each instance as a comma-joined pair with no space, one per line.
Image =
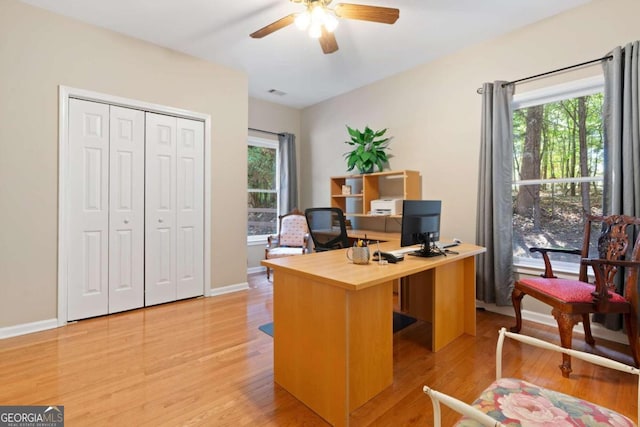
369,149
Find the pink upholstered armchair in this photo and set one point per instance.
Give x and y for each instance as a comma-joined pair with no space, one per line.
292,237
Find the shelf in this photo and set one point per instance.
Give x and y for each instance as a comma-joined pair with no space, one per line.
360,215
348,195
404,184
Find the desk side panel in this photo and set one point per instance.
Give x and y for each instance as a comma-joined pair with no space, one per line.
470,295
310,344
449,304
417,295
370,314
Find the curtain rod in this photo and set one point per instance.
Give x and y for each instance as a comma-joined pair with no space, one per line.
266,131
604,58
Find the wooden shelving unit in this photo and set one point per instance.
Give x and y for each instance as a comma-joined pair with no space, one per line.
365,188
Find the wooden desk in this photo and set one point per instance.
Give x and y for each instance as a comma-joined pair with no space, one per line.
382,236
333,321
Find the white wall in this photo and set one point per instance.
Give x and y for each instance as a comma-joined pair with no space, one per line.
40,51
274,118
433,110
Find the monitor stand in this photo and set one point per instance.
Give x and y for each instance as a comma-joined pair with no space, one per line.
428,251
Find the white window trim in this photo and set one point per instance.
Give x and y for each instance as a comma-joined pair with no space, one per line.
573,89
267,143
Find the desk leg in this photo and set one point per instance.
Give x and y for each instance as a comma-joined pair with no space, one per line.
444,297
333,348
470,296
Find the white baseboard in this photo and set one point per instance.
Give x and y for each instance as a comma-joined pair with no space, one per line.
28,328
228,289
597,330
43,325
254,270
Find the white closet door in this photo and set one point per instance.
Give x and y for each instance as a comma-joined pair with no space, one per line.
190,208
88,290
160,215
126,209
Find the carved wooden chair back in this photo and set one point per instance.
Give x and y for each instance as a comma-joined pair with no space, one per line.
614,257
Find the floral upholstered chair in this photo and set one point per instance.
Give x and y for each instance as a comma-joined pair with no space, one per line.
292,237
515,402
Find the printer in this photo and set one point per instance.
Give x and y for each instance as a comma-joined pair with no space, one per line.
390,206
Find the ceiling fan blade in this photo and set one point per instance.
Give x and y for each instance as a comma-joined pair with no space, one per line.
274,26
383,15
328,42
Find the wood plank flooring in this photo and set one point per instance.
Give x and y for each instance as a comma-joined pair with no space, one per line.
203,362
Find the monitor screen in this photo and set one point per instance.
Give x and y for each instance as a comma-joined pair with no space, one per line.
420,222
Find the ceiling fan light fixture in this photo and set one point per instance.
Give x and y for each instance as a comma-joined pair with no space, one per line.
330,22
315,30
318,14
303,20
320,21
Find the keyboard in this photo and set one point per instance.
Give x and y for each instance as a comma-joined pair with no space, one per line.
447,245
405,250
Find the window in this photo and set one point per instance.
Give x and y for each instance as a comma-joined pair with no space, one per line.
262,183
558,167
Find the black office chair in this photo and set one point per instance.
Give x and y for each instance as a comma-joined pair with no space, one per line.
327,228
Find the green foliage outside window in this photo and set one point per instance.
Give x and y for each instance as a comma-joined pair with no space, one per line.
262,196
561,141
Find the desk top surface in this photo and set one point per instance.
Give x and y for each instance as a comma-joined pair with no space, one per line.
334,268
382,236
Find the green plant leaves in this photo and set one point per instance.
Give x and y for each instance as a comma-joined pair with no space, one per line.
369,149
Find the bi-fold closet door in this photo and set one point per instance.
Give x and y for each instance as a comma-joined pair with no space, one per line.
174,209
135,209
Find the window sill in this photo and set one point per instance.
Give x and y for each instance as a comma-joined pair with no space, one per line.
257,241
535,267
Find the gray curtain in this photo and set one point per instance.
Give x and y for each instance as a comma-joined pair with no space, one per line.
288,173
622,132
494,272
621,116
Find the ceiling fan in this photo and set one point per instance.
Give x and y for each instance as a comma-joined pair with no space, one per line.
320,20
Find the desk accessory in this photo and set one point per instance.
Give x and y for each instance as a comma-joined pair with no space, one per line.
359,252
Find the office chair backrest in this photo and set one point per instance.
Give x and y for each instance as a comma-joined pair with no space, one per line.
327,228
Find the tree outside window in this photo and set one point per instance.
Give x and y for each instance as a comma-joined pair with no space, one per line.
558,165
262,183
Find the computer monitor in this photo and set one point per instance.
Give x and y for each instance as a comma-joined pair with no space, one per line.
421,225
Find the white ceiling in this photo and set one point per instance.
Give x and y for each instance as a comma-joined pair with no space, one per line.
288,60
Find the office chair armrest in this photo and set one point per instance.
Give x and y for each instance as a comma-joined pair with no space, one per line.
548,271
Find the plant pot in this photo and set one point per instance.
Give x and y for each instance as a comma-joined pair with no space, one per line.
368,171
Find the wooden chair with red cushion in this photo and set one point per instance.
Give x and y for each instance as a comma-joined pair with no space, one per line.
292,238
574,300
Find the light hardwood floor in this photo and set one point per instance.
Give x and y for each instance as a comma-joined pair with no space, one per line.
203,362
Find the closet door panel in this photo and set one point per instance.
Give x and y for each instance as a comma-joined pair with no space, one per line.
88,207
126,209
160,215
190,208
